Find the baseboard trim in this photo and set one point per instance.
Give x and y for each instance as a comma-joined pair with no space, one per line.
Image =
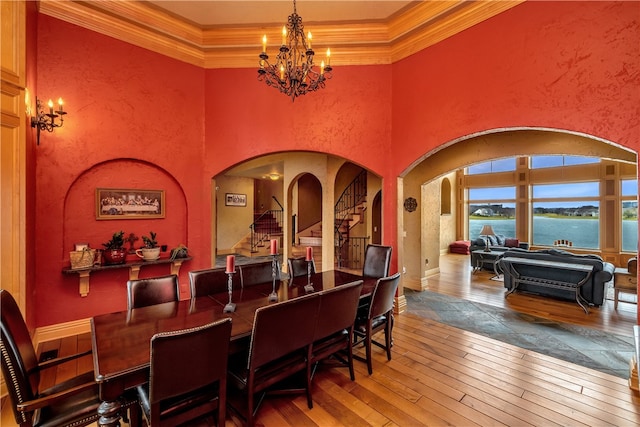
61,330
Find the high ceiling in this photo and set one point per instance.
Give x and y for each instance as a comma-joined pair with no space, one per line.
228,34
270,12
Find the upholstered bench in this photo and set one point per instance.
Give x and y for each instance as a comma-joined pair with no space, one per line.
460,247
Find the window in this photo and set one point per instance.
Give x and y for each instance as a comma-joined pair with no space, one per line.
492,206
539,162
501,165
575,218
629,191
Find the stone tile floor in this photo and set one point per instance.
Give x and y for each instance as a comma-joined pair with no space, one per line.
583,346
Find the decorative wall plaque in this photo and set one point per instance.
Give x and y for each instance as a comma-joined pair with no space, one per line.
410,204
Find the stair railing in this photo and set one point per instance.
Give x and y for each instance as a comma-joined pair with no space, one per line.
265,225
352,196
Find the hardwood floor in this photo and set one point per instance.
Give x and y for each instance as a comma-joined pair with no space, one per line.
440,375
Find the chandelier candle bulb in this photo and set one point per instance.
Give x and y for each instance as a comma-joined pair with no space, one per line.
60,105
328,57
264,43
274,247
231,264
309,40
50,104
284,35
282,72
309,253
322,68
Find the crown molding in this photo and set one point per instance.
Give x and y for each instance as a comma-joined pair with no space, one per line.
368,43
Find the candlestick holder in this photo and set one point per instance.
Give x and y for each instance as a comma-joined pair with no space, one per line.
309,286
273,296
230,307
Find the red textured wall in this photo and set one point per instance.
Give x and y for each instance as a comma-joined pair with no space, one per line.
136,117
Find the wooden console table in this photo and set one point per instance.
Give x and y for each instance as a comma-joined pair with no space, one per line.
623,281
134,270
511,265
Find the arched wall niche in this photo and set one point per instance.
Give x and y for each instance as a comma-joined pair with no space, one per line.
423,243
123,174
108,288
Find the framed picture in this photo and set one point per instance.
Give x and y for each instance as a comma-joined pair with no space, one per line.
232,199
115,203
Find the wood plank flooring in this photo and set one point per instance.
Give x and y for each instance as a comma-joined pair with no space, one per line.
440,375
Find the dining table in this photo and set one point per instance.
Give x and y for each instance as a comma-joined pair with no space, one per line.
121,340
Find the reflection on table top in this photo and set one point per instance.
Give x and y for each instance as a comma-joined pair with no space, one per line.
121,341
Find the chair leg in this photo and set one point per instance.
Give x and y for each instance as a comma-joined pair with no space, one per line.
350,361
309,398
368,346
222,403
387,339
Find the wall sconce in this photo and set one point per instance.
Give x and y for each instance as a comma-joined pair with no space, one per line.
47,121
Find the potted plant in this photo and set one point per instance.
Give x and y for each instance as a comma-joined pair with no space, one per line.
150,251
114,252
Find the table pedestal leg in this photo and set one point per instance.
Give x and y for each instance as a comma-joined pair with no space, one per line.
109,414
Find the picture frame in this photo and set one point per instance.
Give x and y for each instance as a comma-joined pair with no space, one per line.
123,203
235,199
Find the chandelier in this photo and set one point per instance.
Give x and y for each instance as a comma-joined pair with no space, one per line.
294,72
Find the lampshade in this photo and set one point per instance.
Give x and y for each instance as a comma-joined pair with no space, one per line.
487,230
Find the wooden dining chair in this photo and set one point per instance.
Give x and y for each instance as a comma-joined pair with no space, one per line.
153,290
279,349
257,273
377,260
334,328
74,401
379,317
211,281
188,376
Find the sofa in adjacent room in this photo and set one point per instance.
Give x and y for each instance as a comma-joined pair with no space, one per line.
498,242
593,291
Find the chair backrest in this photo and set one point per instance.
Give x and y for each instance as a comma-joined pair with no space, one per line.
296,316
19,361
377,259
298,267
261,272
338,308
175,372
153,290
211,281
383,295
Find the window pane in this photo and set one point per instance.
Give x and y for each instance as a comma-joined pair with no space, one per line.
479,168
545,161
538,162
501,165
630,226
554,191
579,160
495,193
504,165
629,187
577,222
501,216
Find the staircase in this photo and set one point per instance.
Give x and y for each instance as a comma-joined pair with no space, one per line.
266,226
348,212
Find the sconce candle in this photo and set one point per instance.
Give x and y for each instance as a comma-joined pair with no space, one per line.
47,121
274,247
309,254
231,264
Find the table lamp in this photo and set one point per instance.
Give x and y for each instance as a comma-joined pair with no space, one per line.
487,230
